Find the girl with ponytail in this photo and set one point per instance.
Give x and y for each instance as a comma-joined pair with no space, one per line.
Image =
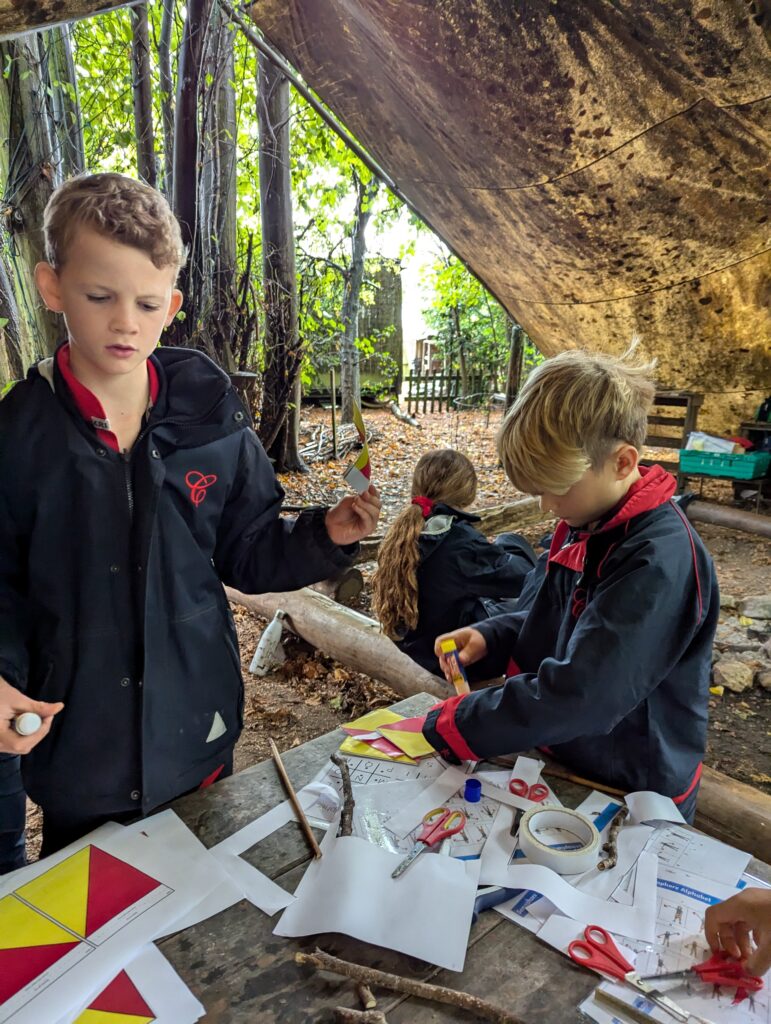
436,572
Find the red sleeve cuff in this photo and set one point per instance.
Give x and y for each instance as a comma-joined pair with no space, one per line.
446,727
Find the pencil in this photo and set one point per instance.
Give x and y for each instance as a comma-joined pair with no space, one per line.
293,798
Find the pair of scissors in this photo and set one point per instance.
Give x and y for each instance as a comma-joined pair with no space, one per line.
720,969
438,825
599,952
537,792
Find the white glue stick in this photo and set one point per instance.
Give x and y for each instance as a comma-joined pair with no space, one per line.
27,723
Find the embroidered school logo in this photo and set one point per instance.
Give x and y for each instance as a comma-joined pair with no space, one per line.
199,484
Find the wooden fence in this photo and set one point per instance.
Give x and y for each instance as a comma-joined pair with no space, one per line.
437,391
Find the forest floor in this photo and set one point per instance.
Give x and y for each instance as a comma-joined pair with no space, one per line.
311,693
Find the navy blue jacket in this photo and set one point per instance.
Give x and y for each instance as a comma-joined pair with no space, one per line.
111,573
611,651
459,576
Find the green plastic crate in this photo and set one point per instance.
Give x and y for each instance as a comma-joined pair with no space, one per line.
745,466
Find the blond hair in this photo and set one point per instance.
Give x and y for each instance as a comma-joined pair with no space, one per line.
118,207
442,475
570,414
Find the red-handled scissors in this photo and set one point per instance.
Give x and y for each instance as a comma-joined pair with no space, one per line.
720,969
599,952
439,824
537,792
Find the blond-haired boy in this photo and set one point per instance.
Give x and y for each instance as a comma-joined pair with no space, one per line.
131,487
609,654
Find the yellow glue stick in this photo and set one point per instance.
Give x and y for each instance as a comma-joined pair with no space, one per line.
459,680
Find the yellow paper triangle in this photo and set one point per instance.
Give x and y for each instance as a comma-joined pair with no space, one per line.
62,891
414,744
106,1017
21,926
374,719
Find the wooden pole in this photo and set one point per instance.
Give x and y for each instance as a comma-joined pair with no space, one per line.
733,518
293,800
334,412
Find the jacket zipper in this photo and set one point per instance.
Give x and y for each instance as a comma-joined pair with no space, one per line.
126,458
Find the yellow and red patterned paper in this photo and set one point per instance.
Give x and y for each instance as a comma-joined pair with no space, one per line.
358,473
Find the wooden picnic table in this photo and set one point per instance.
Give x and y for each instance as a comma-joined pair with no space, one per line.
243,974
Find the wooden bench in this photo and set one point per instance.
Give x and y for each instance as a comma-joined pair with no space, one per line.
672,418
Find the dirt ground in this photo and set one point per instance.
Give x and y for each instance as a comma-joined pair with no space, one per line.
311,693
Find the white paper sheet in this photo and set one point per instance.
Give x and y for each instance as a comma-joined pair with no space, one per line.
157,985
425,913
496,786
636,921
169,829
646,806
435,795
135,886
560,931
262,891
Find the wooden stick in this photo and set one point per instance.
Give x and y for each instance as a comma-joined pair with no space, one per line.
610,847
343,1015
366,996
346,817
620,1008
294,801
396,983
560,773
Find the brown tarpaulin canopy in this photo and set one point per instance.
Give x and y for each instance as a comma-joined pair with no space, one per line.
602,167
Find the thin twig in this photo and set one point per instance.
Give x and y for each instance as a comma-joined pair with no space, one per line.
366,996
396,983
610,846
345,1016
293,799
346,818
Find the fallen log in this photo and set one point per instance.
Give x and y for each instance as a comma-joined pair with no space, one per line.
733,518
400,414
344,588
498,519
736,814
346,635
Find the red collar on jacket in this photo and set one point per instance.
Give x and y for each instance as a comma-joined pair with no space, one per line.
654,488
89,406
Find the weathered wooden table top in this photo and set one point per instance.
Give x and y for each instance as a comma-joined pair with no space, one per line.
242,973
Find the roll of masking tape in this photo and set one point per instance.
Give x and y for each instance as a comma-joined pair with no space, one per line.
563,861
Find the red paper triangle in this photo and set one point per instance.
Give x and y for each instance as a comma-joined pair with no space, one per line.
122,996
21,965
113,886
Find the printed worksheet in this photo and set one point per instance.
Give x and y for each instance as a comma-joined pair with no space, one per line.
682,901
697,854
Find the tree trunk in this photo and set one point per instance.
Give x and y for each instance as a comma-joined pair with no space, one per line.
142,83
350,384
218,195
30,175
461,352
187,159
516,356
281,342
342,633
166,84
65,102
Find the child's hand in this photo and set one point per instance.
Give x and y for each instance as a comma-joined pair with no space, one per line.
354,518
471,647
12,703
728,926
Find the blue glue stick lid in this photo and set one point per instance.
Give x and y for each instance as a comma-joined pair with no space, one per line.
472,791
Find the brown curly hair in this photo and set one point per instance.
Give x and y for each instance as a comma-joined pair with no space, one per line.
442,475
118,207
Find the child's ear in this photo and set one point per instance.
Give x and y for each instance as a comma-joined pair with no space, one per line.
47,281
174,305
627,458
